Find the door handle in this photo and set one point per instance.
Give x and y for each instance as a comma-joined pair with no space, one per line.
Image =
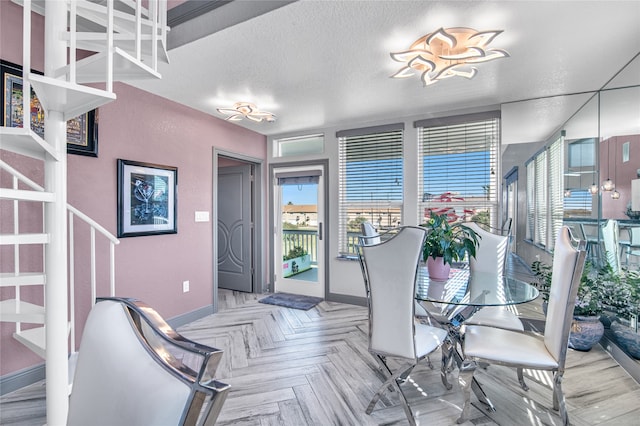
320,231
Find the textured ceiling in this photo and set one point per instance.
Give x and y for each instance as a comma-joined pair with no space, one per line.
320,64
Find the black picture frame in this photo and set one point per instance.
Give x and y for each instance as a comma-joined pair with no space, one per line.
82,131
147,199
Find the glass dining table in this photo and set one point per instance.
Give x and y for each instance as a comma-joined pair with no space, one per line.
451,302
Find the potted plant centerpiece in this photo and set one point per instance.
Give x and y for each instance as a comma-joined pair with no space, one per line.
446,243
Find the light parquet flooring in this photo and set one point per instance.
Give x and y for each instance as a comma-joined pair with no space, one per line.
292,367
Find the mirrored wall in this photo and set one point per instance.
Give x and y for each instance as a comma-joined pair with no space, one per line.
602,171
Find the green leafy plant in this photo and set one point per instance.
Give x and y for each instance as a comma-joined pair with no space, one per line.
296,251
542,271
451,241
600,289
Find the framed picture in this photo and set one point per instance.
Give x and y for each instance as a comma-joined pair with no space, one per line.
82,131
147,199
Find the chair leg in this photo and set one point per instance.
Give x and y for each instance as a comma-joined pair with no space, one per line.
447,359
523,385
392,384
558,399
465,379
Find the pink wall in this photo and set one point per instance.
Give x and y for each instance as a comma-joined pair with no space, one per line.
142,127
621,173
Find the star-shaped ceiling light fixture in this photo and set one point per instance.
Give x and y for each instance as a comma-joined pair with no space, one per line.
241,110
447,53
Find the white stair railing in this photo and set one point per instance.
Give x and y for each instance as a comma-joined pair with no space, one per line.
113,241
73,213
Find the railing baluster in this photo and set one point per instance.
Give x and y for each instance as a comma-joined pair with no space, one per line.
72,284
93,266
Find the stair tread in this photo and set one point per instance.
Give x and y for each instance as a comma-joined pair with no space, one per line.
26,195
10,239
28,312
9,279
25,142
125,67
69,98
34,338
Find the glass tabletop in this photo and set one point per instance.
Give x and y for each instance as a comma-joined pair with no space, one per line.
477,289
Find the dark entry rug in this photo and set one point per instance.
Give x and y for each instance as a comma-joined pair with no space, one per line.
295,301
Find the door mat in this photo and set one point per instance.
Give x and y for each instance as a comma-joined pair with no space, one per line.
295,301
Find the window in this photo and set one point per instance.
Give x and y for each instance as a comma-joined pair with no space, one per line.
547,204
371,185
579,175
556,188
299,145
458,167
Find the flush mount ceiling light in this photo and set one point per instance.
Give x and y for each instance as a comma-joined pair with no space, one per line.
447,53
241,110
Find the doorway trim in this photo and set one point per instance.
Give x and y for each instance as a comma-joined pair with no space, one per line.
258,220
325,233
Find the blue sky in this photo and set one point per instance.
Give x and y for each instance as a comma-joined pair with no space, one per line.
300,194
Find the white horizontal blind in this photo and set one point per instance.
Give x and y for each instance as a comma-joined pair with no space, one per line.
556,188
458,169
540,215
531,200
370,182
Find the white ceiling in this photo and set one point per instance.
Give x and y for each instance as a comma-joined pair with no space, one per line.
320,64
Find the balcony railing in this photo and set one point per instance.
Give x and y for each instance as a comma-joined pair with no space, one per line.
308,240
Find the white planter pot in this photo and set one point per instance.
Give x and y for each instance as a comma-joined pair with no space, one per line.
296,265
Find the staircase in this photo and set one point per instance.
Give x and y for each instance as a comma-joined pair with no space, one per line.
119,41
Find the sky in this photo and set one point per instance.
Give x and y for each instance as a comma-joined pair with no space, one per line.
300,194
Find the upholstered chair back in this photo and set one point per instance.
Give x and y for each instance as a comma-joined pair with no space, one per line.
491,254
611,242
390,270
568,264
368,231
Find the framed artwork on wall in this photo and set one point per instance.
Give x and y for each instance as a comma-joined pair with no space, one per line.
147,199
82,131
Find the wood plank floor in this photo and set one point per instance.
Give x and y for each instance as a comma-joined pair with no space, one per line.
293,367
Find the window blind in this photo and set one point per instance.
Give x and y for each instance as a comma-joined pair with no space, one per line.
458,169
540,215
531,200
370,181
556,188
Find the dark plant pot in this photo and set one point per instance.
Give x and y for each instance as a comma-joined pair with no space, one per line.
585,332
607,319
627,339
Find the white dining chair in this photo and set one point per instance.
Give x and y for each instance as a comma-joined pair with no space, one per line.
390,269
370,233
611,244
522,350
491,256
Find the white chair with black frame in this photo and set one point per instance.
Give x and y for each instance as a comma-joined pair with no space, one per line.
522,350
390,269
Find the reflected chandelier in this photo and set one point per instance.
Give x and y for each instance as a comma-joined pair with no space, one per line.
447,53
241,110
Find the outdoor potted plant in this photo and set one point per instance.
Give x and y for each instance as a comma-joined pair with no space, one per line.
446,243
296,261
626,330
586,327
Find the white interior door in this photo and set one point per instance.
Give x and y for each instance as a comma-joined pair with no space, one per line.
298,230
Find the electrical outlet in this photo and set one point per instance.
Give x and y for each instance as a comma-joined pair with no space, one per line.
185,286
